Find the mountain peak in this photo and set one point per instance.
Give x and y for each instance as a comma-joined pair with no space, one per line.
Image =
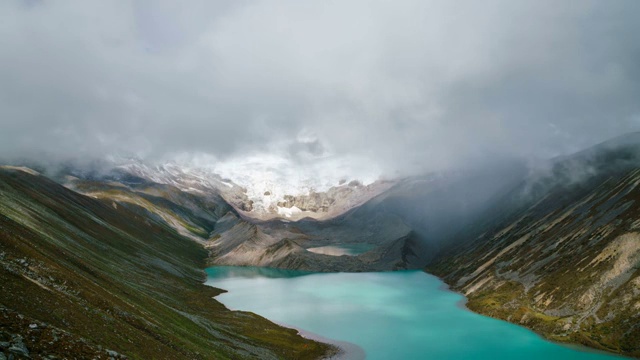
262,195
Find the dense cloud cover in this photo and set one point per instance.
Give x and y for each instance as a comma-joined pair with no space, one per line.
399,86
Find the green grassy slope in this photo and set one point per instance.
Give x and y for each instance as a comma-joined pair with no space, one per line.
79,276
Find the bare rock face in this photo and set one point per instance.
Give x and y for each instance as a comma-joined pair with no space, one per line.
313,202
335,201
318,205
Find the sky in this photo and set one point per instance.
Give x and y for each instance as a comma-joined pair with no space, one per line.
306,88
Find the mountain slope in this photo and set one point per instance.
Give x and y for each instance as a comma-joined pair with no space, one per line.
192,215
410,215
79,276
561,252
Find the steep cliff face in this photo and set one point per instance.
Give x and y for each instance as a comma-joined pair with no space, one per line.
561,253
88,278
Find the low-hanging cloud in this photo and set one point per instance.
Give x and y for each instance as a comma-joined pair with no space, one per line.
410,86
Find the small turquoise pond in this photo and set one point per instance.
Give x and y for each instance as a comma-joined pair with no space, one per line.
345,249
391,315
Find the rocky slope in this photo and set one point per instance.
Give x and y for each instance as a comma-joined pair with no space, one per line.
89,278
286,245
560,253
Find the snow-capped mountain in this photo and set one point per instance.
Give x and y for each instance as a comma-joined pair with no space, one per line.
261,196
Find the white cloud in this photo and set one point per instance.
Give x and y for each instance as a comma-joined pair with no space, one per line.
309,86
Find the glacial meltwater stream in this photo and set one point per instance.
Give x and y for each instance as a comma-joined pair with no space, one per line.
391,315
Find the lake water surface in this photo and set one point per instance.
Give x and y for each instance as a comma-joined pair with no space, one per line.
345,249
391,315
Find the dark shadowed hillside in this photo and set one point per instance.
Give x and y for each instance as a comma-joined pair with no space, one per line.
83,278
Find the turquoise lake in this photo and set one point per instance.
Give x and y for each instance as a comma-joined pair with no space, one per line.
391,315
344,249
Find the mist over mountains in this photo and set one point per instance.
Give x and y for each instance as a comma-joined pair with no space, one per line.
358,89
488,231
493,144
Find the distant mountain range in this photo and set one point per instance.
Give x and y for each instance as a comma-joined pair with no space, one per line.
555,248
